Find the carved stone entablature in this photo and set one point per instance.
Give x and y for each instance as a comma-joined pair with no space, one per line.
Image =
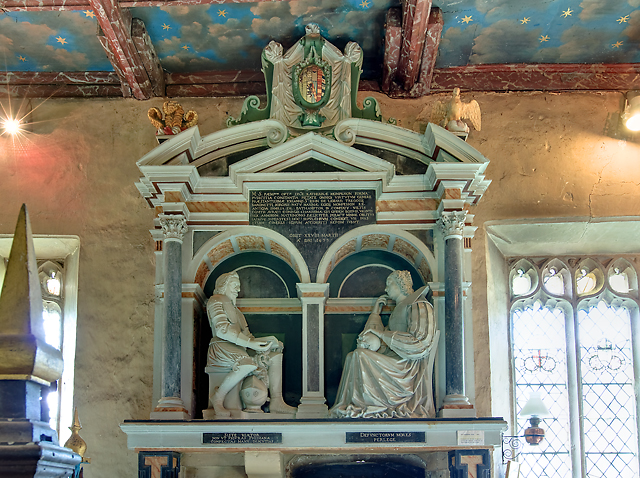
174,226
451,223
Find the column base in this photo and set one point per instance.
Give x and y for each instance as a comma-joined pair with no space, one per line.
170,408
312,410
456,406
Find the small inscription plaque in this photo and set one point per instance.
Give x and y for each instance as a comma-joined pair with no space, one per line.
241,438
470,437
311,219
385,437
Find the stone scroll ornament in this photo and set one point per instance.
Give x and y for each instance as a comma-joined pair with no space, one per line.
389,375
311,86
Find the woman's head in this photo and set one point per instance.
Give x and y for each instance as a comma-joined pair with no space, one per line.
402,279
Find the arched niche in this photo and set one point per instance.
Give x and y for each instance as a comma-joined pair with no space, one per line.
241,240
269,269
396,242
356,267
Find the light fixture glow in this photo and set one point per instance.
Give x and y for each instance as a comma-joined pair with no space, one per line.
11,125
632,114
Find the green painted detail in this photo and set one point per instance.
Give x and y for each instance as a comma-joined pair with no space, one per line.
251,110
371,108
311,82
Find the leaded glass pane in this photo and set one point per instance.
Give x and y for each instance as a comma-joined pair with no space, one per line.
540,365
607,391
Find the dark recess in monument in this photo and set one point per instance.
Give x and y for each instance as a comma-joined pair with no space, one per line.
404,164
359,469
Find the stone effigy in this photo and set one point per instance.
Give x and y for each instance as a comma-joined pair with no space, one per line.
390,372
237,353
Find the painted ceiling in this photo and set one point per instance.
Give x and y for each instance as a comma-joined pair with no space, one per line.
231,36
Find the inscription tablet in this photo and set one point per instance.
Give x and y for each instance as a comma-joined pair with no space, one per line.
312,220
385,437
241,438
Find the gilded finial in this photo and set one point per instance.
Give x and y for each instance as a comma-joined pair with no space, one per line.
75,441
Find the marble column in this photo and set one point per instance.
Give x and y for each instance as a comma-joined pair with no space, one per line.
313,401
170,405
452,224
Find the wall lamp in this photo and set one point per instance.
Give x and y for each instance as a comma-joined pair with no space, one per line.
631,115
534,410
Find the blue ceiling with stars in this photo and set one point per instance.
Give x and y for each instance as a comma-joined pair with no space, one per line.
231,36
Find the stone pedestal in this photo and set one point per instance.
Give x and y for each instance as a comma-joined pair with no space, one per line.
171,405
312,403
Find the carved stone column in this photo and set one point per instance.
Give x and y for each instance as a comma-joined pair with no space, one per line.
170,405
313,298
452,224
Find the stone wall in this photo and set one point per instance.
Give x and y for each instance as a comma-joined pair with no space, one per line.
76,172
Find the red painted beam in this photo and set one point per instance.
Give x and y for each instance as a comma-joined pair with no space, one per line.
415,14
392,46
148,55
216,89
207,77
541,77
46,5
63,78
117,40
429,55
60,91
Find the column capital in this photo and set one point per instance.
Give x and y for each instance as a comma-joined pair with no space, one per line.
174,226
451,223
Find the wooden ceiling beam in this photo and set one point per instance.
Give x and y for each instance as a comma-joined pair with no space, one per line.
415,14
392,46
430,53
116,38
48,5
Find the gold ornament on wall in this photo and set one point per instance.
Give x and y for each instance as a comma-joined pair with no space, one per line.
75,441
172,119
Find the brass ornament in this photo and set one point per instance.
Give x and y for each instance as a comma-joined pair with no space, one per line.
172,119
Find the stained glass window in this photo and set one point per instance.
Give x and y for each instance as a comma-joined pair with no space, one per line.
585,327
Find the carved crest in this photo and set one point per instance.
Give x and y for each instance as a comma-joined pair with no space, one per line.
312,86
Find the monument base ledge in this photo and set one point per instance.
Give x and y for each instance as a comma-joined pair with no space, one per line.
303,436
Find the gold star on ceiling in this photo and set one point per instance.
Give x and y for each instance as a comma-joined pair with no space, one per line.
89,13
222,13
22,58
617,44
185,47
525,20
623,19
544,38
365,4
61,40
467,19
567,13
166,27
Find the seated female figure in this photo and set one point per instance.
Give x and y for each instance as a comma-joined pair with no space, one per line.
389,373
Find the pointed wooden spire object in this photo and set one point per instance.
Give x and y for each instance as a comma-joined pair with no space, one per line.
24,354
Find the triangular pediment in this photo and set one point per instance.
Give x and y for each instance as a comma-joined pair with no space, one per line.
311,147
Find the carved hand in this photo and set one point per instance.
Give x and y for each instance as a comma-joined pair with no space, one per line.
382,300
259,345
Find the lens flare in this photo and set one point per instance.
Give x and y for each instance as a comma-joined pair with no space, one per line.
11,126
